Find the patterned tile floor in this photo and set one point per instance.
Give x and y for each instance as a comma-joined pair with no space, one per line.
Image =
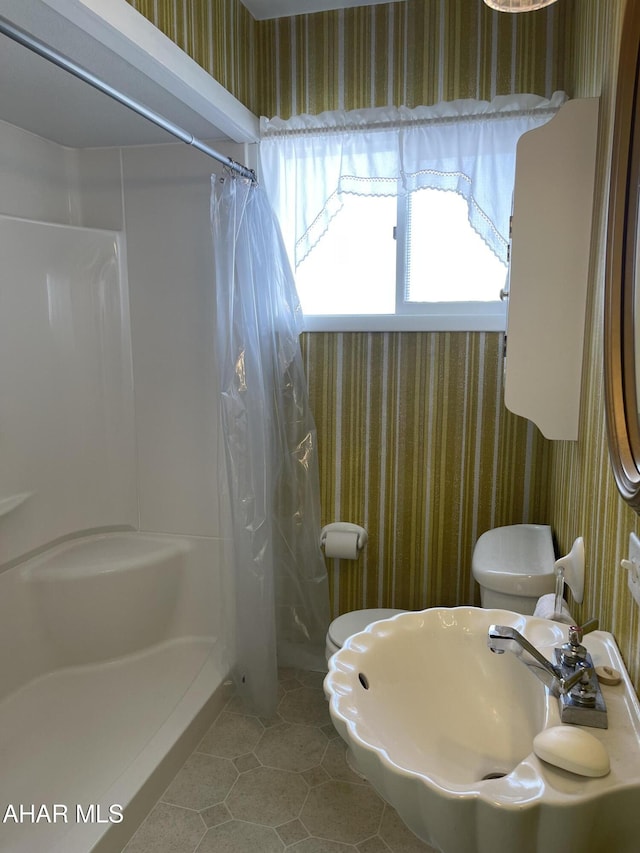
256,786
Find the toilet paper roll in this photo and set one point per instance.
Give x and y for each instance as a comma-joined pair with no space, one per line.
341,544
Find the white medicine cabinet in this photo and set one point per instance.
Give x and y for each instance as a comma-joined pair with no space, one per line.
549,269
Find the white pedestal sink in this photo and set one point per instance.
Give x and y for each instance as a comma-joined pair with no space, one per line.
444,729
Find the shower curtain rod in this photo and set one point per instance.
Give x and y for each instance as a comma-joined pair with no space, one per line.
52,55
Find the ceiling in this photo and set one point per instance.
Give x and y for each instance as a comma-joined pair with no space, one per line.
263,9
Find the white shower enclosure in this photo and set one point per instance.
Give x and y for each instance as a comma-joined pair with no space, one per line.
113,549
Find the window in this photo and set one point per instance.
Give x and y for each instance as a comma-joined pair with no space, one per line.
400,218
444,258
415,259
352,268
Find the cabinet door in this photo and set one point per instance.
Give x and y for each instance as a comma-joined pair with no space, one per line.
549,269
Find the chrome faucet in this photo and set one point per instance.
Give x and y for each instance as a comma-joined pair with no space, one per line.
572,678
503,638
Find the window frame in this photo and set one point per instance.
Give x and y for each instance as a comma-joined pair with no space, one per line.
458,316
487,321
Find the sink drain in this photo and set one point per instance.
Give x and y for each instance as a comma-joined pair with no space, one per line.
496,775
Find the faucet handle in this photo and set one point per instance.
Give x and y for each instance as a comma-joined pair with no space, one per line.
577,632
573,652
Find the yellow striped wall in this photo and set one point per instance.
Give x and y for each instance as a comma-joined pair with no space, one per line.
400,415
412,52
219,34
416,445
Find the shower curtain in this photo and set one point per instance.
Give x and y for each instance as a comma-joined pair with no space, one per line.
282,600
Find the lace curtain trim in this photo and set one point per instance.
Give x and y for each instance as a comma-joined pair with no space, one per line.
464,146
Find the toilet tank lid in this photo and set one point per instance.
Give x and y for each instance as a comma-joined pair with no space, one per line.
522,549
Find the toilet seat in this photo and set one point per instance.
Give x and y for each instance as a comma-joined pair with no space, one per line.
355,621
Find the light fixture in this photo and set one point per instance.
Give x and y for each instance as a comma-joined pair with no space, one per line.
518,5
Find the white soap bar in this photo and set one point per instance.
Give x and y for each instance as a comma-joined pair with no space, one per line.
572,749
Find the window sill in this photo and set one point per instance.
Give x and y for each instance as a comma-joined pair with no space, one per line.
496,322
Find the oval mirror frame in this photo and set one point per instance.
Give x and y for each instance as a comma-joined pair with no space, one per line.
622,284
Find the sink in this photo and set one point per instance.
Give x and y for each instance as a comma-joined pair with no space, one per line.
444,730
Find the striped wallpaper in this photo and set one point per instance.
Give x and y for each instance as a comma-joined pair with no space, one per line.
219,34
416,445
413,435
412,52
409,53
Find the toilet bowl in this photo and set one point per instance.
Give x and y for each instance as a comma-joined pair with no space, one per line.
352,623
514,566
340,630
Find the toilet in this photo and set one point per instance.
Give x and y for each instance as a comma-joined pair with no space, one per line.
340,630
514,566
352,623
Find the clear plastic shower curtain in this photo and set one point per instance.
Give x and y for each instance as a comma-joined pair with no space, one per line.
282,601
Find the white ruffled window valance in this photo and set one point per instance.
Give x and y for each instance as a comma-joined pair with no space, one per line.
468,146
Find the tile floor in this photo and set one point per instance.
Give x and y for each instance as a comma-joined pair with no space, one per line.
265,786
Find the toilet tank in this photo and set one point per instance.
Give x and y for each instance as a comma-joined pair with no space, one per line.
516,560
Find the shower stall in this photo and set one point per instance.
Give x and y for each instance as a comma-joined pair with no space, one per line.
116,578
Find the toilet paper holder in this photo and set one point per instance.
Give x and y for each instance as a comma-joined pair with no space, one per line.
344,527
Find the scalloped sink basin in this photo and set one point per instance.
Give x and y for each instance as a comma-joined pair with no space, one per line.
444,730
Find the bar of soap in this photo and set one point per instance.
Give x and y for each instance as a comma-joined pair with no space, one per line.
572,749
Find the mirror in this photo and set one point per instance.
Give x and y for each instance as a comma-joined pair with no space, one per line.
622,288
